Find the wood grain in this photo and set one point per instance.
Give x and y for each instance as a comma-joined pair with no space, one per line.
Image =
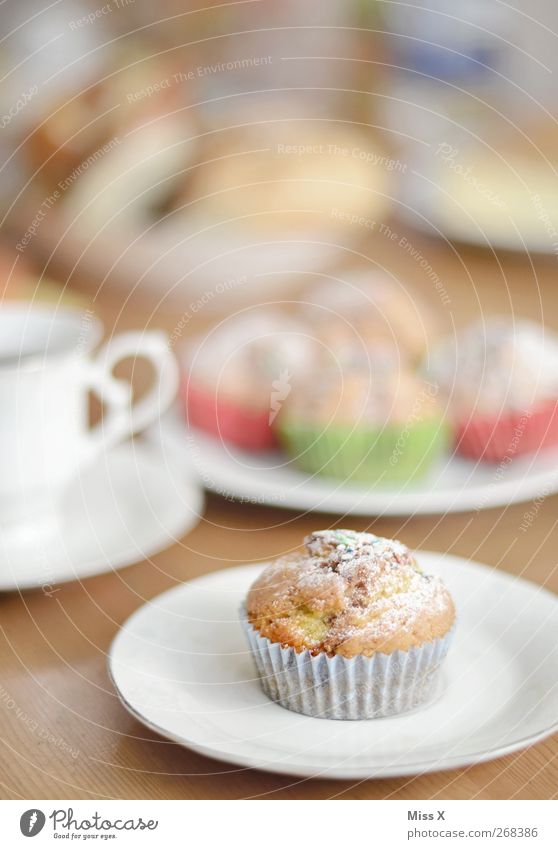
63,732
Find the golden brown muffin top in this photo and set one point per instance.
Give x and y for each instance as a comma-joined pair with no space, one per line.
363,393
497,363
245,356
372,305
349,593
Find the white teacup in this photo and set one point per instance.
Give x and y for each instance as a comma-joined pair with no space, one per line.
47,369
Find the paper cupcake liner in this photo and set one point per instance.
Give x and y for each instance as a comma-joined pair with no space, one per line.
389,454
239,425
341,688
508,434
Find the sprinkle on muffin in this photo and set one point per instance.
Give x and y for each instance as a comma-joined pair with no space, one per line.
349,594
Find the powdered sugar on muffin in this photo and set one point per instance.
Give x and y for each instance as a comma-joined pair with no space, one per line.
372,307
497,364
349,594
375,390
242,357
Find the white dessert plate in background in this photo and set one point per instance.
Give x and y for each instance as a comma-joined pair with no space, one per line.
182,667
132,503
454,485
172,260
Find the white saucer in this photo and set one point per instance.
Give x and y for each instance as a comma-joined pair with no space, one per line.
181,666
131,504
454,485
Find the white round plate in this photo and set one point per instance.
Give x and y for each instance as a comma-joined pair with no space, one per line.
174,260
181,666
454,485
128,506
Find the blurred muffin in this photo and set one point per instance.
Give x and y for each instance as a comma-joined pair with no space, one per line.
125,186
351,628
135,89
290,175
501,378
369,420
111,150
237,377
372,307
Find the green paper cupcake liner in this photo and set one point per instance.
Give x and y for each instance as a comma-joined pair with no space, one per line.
391,454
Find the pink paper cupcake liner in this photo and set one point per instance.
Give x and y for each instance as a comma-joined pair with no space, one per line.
510,433
241,426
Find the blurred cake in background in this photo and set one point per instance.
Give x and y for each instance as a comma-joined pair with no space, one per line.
104,154
295,176
500,375
334,384
134,88
372,420
236,378
367,307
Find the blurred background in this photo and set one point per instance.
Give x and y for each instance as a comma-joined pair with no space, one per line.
328,206
151,152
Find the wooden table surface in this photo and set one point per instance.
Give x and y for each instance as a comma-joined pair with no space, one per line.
63,732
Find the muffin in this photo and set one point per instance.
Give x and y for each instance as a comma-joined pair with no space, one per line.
501,378
369,420
288,176
351,628
131,89
236,379
371,306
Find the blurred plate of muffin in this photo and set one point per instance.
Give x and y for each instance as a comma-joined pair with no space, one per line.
375,424
330,404
228,373
453,484
500,376
181,664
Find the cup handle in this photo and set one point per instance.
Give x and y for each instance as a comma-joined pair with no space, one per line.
121,418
